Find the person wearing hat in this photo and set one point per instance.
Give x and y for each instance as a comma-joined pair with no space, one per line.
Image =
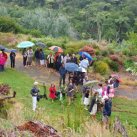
34,93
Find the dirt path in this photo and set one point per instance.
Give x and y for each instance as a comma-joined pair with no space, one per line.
48,76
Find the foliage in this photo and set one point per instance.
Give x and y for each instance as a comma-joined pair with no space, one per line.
9,25
106,19
101,67
114,66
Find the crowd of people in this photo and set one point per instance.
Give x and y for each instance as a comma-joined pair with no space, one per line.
94,98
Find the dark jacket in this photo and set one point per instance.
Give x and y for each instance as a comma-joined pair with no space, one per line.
107,108
41,55
74,60
12,56
34,91
37,54
62,71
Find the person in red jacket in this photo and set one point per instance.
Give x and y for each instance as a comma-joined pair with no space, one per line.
52,91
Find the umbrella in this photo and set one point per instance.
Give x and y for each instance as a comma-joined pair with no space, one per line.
90,83
2,47
56,49
88,49
71,67
115,76
25,44
80,69
87,55
41,44
10,50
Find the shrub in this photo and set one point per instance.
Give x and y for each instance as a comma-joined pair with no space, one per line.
35,33
9,25
101,67
104,53
128,63
114,66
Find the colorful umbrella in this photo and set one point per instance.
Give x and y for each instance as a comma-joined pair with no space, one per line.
86,55
41,44
25,44
56,49
71,67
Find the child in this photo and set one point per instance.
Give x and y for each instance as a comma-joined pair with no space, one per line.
93,106
86,99
52,91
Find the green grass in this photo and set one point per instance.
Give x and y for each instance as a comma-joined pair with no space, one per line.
22,84
54,113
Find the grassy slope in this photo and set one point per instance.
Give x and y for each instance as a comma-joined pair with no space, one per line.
54,113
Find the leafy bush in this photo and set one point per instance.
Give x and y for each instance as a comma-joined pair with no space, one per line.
9,25
35,33
101,67
104,53
128,63
114,66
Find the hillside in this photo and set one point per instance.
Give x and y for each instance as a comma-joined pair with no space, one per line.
105,19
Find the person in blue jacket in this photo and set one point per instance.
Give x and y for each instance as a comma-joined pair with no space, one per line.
42,57
62,72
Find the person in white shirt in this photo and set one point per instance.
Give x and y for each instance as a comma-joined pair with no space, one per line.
84,63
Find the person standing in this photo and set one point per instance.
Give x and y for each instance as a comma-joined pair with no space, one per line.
34,93
62,72
70,91
93,106
30,56
24,54
12,59
74,59
59,61
37,56
50,59
66,59
42,57
106,111
3,59
52,91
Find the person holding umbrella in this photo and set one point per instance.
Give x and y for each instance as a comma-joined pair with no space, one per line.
62,72
30,56
12,59
24,54
37,56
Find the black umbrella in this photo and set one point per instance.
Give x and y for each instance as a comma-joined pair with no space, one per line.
41,44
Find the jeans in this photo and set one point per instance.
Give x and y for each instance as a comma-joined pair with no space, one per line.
24,61
1,68
12,63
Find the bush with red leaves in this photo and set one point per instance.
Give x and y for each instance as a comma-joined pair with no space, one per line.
4,89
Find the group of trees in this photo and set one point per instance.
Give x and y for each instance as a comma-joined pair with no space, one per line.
105,19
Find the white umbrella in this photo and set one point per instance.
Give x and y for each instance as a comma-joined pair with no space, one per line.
90,83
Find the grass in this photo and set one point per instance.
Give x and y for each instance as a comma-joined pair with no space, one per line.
64,118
